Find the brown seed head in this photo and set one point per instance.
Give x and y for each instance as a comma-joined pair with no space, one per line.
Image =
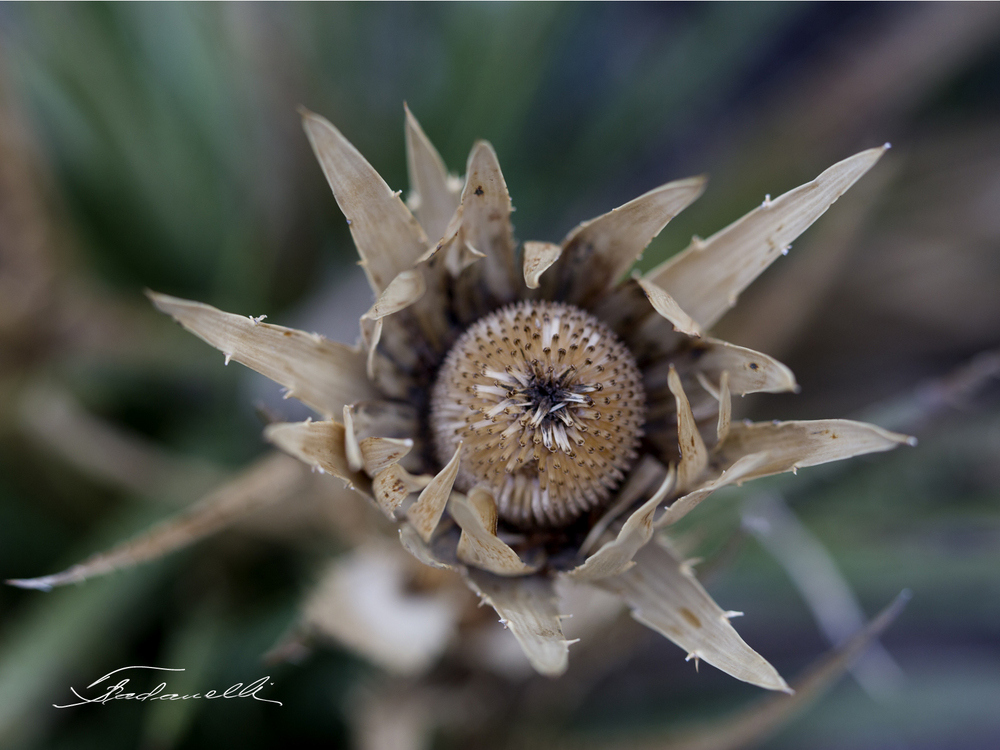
550,407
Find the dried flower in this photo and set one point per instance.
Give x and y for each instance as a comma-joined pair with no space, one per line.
525,415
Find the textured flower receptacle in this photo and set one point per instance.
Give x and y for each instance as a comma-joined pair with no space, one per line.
550,406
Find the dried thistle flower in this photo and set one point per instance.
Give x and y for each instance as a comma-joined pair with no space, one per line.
523,414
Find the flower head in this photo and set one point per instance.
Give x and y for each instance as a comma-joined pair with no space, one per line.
524,413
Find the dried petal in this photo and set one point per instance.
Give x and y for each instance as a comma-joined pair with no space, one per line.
486,226
793,445
479,544
527,607
664,595
598,252
646,474
538,257
388,238
320,445
749,371
616,556
435,199
322,374
402,292
709,275
668,308
738,472
377,454
393,485
694,456
426,512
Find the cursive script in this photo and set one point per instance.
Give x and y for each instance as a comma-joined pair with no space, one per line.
117,691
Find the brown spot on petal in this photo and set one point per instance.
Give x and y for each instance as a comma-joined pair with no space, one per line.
479,190
691,617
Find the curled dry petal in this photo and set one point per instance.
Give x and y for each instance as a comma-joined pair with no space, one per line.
403,291
694,456
598,252
667,307
378,454
388,238
479,544
426,512
527,607
644,475
322,374
393,485
538,257
320,445
709,275
664,595
435,199
793,445
734,474
616,556
749,371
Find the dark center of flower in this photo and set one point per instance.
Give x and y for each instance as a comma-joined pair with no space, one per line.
549,407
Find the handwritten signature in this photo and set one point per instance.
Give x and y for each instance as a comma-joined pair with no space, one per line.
117,692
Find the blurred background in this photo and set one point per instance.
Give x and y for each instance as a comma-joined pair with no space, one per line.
158,146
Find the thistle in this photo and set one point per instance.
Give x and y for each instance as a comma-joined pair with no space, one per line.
525,414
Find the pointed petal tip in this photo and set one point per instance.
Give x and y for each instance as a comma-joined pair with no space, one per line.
35,584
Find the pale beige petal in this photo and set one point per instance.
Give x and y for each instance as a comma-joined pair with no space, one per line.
668,308
403,291
377,454
738,472
321,445
527,607
486,210
266,482
538,257
598,252
616,556
793,445
725,407
426,512
646,474
392,485
432,192
664,595
709,275
388,238
479,544
749,371
694,456
362,601
322,374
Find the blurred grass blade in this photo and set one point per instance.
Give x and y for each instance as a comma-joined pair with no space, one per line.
267,481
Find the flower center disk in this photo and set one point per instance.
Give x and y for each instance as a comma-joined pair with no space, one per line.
549,407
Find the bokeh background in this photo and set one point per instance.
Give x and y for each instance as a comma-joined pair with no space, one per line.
158,146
